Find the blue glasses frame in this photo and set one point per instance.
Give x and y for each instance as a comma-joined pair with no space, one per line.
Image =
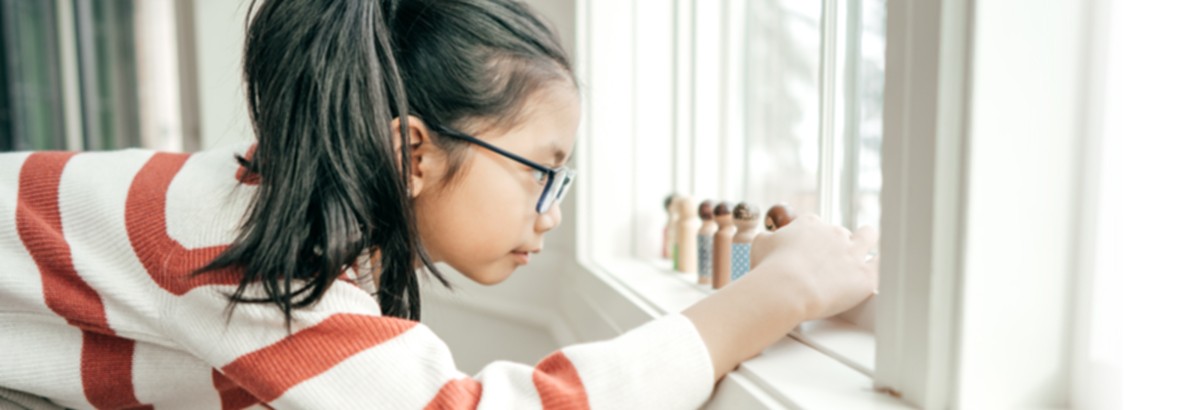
558,180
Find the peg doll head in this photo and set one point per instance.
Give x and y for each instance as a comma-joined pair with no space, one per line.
723,214
778,216
706,210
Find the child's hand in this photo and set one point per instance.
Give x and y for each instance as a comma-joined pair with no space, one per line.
829,262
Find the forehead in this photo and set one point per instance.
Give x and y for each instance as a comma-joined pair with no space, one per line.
547,127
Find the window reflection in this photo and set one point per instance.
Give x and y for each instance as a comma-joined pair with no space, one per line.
782,113
869,100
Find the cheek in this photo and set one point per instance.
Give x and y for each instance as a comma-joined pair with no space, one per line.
482,217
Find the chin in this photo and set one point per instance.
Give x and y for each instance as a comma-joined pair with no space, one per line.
492,275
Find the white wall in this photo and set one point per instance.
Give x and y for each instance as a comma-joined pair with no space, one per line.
219,36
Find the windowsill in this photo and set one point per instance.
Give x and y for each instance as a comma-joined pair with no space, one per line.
821,364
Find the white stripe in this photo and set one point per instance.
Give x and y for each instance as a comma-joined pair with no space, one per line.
197,320
508,385
42,358
205,203
405,372
663,364
20,280
92,204
171,379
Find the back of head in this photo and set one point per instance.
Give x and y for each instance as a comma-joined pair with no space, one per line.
324,80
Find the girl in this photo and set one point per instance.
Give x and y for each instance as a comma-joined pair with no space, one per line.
391,134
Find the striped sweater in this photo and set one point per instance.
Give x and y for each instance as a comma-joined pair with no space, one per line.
97,309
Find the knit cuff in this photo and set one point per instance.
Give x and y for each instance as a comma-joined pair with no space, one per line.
663,364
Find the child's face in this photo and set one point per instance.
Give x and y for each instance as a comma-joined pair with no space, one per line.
485,223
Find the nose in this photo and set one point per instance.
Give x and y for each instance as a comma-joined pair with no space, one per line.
549,220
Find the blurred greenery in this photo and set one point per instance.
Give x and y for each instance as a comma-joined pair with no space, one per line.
32,103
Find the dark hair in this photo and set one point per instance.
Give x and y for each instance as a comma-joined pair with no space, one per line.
723,208
324,80
706,210
781,215
745,212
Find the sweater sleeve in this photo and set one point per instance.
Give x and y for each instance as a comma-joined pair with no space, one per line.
342,354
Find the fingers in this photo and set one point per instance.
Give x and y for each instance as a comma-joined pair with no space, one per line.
864,240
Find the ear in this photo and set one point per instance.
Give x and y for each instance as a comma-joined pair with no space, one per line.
425,159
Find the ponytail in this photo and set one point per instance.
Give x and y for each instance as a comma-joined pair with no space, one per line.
323,86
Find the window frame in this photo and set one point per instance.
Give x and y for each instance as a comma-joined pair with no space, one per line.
946,190
606,293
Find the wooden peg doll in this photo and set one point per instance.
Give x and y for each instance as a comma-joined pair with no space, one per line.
685,236
704,242
745,217
722,245
669,228
778,216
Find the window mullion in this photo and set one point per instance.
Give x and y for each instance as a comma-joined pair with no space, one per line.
69,63
828,177
925,107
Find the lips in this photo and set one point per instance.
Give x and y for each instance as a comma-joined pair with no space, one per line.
523,256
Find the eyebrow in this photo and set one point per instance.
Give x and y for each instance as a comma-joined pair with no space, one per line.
560,156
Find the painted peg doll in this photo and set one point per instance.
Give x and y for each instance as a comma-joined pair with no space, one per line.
778,216
745,217
704,243
722,245
685,234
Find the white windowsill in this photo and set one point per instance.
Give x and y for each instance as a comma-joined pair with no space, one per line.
822,364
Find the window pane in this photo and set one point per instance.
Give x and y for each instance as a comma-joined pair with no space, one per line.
108,65
782,113
870,112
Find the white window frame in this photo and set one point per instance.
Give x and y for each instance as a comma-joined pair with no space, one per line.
948,239
628,108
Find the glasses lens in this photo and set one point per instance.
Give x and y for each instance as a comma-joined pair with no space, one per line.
556,188
568,176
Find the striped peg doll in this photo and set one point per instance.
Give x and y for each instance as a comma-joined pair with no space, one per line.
745,217
704,243
722,245
685,234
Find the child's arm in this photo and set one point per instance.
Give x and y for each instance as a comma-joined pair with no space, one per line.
342,354
806,270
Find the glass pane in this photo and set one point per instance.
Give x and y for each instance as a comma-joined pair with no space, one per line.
108,66
870,112
782,112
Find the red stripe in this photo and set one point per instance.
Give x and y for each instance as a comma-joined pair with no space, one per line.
558,383
168,262
233,397
107,371
269,372
457,394
39,225
106,361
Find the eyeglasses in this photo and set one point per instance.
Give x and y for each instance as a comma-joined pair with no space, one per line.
555,182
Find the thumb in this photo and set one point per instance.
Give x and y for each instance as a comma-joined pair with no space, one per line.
760,247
